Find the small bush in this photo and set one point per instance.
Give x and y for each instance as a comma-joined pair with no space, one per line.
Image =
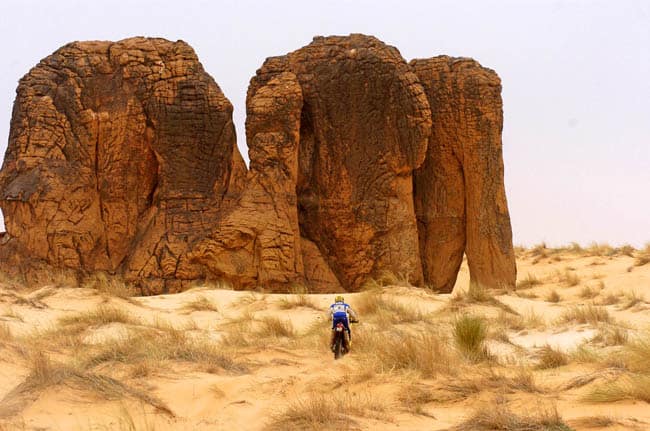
551,358
470,333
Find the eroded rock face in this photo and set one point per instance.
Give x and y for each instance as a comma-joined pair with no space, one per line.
256,241
119,155
363,130
122,158
459,191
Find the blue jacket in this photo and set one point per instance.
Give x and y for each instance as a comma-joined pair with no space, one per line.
342,310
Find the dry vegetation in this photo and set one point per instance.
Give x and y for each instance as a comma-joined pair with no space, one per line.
571,331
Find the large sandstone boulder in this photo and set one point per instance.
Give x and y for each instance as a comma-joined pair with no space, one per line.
119,156
364,127
459,191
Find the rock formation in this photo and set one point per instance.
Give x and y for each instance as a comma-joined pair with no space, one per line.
459,192
363,130
119,156
122,158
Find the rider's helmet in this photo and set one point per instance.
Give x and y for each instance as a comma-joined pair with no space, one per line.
338,298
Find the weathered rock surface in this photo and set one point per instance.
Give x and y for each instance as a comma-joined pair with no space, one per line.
119,155
459,191
363,130
256,241
122,158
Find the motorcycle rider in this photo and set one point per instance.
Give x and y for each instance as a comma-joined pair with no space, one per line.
340,312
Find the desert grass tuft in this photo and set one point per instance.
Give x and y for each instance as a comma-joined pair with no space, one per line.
155,346
569,278
469,334
611,335
109,285
331,411
271,326
426,354
594,422
497,416
626,388
297,301
201,303
632,298
551,358
102,315
591,314
588,293
530,281
553,296
45,373
386,309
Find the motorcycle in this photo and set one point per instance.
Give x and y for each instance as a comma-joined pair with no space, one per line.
341,346
340,341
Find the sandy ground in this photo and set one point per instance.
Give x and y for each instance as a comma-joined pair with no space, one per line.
276,372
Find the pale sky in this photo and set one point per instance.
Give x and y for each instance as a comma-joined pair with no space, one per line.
576,82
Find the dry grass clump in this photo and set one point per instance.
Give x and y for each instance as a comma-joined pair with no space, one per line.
636,354
530,281
498,416
384,309
600,249
330,411
643,256
627,388
300,298
611,335
529,320
553,296
551,358
272,326
427,354
201,303
610,299
586,314
45,373
470,333
102,315
414,396
588,293
632,298
569,278
153,346
593,422
109,285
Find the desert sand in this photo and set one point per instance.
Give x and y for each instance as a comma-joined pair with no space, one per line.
568,349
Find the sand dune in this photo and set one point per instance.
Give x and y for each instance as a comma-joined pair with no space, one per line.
566,342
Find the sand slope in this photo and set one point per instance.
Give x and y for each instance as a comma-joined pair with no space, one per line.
213,358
